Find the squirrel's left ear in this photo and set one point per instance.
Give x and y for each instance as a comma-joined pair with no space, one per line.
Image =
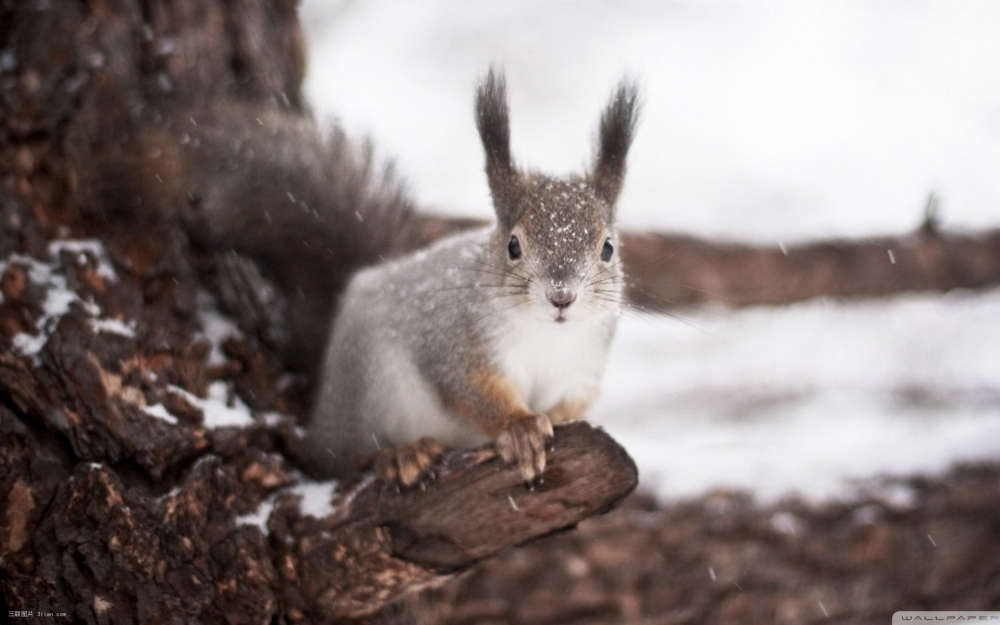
614,139
493,122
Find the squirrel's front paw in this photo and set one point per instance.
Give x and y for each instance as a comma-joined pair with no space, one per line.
407,464
523,443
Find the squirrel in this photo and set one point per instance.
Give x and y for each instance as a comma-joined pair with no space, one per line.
494,334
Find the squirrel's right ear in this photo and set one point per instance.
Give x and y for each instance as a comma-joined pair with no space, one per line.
493,122
614,139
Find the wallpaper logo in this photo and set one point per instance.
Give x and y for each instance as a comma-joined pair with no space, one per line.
944,616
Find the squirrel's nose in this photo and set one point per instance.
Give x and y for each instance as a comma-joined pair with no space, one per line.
562,298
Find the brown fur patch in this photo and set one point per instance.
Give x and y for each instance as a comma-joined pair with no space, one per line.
520,435
494,405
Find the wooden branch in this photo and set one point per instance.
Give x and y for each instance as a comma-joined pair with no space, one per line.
673,270
475,508
380,541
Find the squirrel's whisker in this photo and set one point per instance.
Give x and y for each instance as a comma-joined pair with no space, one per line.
499,271
614,265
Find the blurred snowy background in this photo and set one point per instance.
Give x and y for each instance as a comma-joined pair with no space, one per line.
766,122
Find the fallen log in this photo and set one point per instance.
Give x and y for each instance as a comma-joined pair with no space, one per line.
673,270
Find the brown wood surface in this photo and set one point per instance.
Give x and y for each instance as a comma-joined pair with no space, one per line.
672,270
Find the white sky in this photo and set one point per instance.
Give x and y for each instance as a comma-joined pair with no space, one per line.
763,121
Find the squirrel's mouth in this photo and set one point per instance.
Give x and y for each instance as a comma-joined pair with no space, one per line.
560,317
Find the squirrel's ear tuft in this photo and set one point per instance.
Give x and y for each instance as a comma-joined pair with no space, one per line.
615,137
493,122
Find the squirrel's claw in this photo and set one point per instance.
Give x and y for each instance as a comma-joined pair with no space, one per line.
523,443
409,464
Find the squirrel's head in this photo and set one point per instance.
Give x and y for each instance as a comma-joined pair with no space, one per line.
556,236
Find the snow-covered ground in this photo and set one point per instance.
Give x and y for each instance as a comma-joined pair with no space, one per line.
809,397
769,122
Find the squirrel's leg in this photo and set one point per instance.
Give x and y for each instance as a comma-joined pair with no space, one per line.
408,463
489,401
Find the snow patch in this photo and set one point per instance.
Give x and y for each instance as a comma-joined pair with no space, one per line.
29,344
259,516
216,407
216,327
79,246
317,497
113,326
59,297
160,412
274,419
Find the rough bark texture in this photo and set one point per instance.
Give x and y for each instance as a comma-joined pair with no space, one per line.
142,436
103,542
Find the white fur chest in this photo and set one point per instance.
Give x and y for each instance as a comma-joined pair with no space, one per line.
550,362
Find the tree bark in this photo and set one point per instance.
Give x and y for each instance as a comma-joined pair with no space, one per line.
101,542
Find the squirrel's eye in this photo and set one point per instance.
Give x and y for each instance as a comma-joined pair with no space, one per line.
514,248
607,250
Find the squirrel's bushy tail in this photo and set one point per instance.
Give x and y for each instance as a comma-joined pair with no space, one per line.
307,204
